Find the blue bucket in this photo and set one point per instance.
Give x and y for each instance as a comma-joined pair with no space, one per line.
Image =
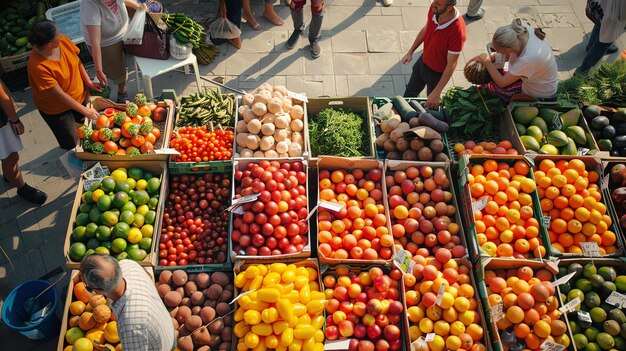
14,316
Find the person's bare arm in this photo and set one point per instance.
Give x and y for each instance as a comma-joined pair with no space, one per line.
497,77
434,97
419,39
87,80
67,100
96,53
6,104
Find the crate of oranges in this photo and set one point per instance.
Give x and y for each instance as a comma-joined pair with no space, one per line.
501,209
576,206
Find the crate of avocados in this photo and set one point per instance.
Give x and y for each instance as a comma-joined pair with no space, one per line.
392,117
553,128
116,208
138,130
608,127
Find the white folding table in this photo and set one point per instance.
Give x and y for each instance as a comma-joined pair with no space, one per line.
151,68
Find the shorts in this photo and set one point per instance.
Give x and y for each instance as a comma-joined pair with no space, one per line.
63,126
114,62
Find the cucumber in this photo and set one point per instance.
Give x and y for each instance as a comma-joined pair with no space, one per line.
23,33
404,109
10,38
20,51
41,8
3,43
417,106
15,30
21,41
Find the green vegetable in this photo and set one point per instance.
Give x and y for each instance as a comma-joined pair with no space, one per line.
202,108
472,110
604,86
404,109
336,132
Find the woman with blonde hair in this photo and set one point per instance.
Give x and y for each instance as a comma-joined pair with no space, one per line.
532,67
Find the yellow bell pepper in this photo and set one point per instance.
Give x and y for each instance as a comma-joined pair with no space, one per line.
318,335
299,309
288,276
271,278
304,319
296,345
309,344
239,314
316,306
278,267
305,294
252,317
241,329
251,272
301,281
241,346
240,280
271,341
318,322
256,283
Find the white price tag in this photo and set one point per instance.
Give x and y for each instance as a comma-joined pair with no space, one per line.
584,316
429,337
166,151
590,248
564,279
333,206
616,299
440,294
570,306
582,151
238,210
605,181
336,345
545,222
497,312
530,157
556,122
97,172
296,96
553,263
242,200
551,346
402,259
418,344
480,204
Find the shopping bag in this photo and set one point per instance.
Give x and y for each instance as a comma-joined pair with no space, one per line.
594,12
154,43
222,28
134,34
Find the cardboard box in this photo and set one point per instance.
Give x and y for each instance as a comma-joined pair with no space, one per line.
193,268
241,164
156,167
465,200
334,163
100,104
391,166
561,107
356,104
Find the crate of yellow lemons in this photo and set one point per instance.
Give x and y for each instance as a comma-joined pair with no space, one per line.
89,321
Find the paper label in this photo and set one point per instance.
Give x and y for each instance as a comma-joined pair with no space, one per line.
551,346
545,221
564,279
333,206
238,210
242,200
590,248
440,294
403,260
570,306
497,312
166,151
480,204
337,345
616,299
419,344
557,123
463,177
242,294
97,172
584,316
429,337
530,157
553,263
605,181
296,96
582,151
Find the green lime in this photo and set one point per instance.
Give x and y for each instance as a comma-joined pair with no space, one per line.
605,340
150,217
154,184
611,327
78,234
103,233
592,346
617,315
120,230
122,256
148,175
120,199
607,288
118,245
89,252
620,343
147,230
104,203
87,197
109,218
589,270
95,214
592,299
137,254
608,273
127,217
84,208
132,247
77,251
95,186
107,244
591,333
598,315
153,203
140,197
107,184
129,206
82,219
574,293
596,281
620,282
135,173
138,221
102,250
131,183
93,243
145,243
123,186
143,209
584,285
90,230
574,327
580,341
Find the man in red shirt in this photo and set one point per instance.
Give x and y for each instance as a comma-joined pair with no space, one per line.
443,38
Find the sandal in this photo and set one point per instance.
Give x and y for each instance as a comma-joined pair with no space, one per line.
256,25
277,21
121,98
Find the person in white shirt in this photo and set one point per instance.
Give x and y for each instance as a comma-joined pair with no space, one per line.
532,66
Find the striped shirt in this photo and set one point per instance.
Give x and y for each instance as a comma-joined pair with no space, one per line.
143,322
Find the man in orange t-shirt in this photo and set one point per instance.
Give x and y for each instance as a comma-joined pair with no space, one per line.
58,80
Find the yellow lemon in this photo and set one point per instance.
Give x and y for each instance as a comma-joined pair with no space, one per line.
134,235
147,230
119,175
426,325
96,195
143,209
73,334
441,328
141,184
95,335
438,344
110,332
131,182
83,344
453,342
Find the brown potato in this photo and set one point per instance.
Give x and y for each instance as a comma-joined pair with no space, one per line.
394,155
203,280
196,310
193,322
425,154
185,343
389,146
175,323
402,144
220,278
413,122
213,292
172,298
436,146
409,155
216,327
207,314
180,290
165,277
228,320
227,296
183,331
197,298
441,157
186,302
163,289
190,288
174,311
222,308
183,313
215,340
204,348
225,346
416,144
179,277
227,333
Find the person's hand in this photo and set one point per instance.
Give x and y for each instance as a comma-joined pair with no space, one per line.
143,7
540,33
432,101
102,78
95,87
222,12
92,114
18,127
407,58
484,57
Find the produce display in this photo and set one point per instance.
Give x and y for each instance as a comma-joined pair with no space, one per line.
363,305
338,132
195,221
503,147
473,110
610,133
406,134
202,144
19,18
551,132
358,231
422,211
571,197
530,308
270,124
603,86
617,179
200,308
283,309
117,216
206,107
131,132
275,222
597,323
507,225
89,321
454,318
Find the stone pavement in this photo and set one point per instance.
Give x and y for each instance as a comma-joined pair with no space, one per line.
362,44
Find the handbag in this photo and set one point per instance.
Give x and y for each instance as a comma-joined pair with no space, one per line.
594,12
154,44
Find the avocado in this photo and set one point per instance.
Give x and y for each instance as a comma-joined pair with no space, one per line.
620,128
605,144
620,115
614,152
608,132
592,111
599,122
619,141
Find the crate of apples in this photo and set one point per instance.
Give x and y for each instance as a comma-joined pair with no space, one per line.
279,306
364,306
570,193
357,232
422,208
274,223
456,317
530,306
500,195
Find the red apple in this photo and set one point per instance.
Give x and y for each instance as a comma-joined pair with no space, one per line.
365,345
382,320
360,331
332,332
374,331
395,307
374,307
346,306
382,283
346,328
382,345
354,344
392,332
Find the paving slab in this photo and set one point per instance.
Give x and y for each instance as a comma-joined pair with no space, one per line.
385,63
347,63
349,41
382,40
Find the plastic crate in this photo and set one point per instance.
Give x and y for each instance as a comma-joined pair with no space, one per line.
13,63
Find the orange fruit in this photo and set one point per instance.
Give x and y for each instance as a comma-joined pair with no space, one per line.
542,329
515,314
546,165
521,167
